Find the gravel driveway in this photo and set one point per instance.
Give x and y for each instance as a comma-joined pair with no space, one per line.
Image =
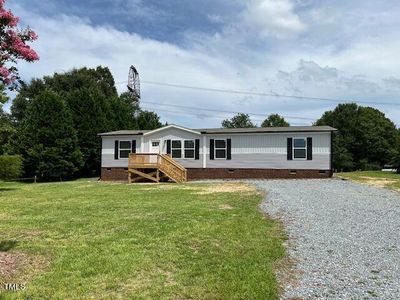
344,237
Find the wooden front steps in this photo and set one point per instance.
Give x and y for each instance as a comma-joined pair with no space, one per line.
154,167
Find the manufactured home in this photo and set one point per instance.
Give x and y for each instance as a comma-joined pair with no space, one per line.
181,154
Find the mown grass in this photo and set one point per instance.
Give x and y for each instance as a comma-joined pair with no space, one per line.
389,180
115,241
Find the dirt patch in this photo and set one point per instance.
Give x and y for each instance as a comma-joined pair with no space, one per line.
377,182
85,186
144,186
225,188
18,264
169,277
225,207
287,275
202,189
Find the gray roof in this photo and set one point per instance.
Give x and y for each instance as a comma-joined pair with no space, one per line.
124,132
268,129
235,130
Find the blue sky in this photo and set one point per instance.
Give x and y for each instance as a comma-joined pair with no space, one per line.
327,49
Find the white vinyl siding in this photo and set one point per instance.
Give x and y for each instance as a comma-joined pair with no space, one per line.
107,151
269,151
258,151
177,134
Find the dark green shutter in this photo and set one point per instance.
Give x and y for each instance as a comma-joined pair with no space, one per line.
116,149
133,146
228,149
197,149
290,148
309,148
211,148
168,146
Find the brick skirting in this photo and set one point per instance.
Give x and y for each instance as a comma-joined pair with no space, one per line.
114,174
209,173
121,174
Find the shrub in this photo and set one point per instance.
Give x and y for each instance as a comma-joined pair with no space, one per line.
10,166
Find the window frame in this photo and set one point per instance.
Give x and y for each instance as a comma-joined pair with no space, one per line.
182,148
299,148
155,141
215,148
124,149
172,148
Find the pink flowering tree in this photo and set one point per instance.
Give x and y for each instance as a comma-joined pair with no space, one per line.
13,47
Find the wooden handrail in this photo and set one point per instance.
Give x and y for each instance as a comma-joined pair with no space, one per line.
176,164
163,162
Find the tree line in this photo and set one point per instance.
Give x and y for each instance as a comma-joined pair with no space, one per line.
54,122
366,139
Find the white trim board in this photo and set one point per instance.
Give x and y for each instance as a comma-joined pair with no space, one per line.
172,126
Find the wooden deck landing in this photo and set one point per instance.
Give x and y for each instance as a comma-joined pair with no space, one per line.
154,167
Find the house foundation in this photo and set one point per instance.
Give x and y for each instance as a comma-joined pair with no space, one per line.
121,174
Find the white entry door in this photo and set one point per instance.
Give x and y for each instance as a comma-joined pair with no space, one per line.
154,148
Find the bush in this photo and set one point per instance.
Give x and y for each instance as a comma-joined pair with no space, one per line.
396,162
10,166
364,165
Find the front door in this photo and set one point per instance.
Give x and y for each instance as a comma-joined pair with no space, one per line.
154,148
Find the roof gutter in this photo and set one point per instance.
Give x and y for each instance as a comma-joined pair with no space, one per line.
286,131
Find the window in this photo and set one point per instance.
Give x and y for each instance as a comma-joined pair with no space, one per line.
220,149
125,148
182,148
299,148
189,148
176,149
155,144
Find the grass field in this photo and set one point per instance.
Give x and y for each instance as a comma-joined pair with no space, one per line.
86,239
375,178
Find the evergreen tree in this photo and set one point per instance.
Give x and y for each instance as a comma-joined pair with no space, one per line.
6,129
47,140
148,120
25,94
94,105
90,113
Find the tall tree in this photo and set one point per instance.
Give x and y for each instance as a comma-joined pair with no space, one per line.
129,105
148,120
94,105
240,120
275,120
26,92
48,140
6,130
13,47
90,114
366,139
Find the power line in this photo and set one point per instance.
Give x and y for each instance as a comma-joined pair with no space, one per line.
221,111
204,116
262,94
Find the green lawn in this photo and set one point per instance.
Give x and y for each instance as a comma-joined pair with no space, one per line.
375,178
86,239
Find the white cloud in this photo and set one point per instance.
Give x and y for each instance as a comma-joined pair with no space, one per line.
273,17
224,60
